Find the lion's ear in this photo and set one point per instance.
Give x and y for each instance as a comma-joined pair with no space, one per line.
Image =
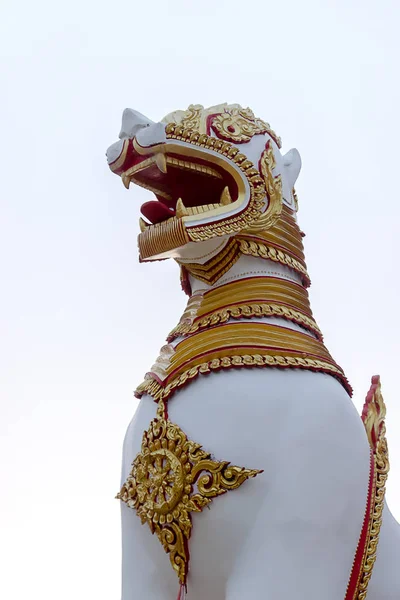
292,166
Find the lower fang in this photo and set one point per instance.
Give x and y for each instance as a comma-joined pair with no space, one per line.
126,180
225,197
181,210
142,224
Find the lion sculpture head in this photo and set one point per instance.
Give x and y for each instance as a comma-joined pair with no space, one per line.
216,173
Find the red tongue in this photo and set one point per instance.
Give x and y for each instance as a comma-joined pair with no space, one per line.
156,212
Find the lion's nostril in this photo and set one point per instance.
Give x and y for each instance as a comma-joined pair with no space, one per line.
114,151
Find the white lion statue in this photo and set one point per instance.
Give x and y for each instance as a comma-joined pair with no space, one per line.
244,397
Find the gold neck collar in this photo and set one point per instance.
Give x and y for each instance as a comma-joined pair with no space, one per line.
230,326
246,298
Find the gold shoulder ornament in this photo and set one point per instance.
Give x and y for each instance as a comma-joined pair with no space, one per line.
172,477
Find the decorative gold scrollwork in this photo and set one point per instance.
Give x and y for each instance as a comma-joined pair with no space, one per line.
239,125
192,117
172,477
274,189
374,413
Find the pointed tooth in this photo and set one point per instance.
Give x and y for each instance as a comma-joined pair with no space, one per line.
161,162
126,180
143,225
181,210
225,197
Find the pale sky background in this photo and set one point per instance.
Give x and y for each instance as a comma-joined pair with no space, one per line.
81,320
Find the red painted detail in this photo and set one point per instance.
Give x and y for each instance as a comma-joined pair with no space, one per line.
274,138
230,128
185,282
193,187
181,593
358,563
156,212
209,121
131,159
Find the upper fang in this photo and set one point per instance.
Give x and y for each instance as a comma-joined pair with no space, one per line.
225,197
161,162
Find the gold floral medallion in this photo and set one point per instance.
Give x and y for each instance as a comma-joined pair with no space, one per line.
172,477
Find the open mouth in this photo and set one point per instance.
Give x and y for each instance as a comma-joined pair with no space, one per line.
183,186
